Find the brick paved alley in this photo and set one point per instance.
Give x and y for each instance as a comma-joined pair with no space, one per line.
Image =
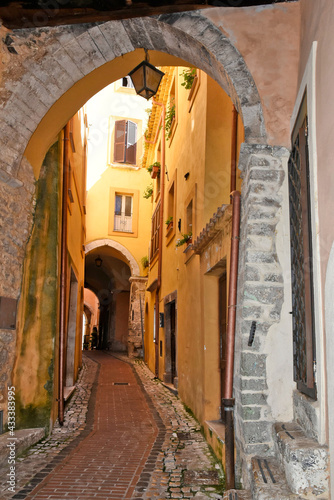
137,441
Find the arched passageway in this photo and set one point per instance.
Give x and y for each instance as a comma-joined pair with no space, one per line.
112,273
71,65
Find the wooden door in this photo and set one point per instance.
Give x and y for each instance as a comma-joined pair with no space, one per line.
222,337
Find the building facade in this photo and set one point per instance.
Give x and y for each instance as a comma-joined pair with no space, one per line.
275,64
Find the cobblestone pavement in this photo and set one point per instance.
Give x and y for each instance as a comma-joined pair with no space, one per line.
172,458
54,446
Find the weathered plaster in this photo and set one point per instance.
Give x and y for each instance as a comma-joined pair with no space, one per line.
16,217
37,313
268,40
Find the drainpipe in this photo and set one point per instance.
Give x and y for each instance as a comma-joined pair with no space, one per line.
228,400
162,197
63,279
233,182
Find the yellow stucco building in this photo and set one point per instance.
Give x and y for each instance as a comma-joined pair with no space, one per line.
118,216
194,134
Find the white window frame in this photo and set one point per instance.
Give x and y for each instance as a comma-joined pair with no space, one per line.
123,222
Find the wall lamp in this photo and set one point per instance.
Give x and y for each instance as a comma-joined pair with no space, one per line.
146,78
98,261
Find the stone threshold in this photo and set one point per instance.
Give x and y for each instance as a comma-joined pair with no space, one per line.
22,440
171,388
217,428
68,391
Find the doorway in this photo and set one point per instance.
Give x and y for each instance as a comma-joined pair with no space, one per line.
170,374
222,337
71,331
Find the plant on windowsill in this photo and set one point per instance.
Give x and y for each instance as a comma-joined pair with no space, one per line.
189,76
148,192
169,222
169,120
145,262
186,238
154,169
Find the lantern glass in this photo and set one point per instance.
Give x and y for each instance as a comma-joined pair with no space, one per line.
146,79
98,261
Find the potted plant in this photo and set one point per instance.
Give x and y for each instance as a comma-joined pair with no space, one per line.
154,169
189,76
148,192
169,119
145,262
186,238
169,222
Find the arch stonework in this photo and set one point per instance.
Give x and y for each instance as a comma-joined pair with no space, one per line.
59,62
68,54
137,292
133,264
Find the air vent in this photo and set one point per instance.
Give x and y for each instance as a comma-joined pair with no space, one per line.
121,383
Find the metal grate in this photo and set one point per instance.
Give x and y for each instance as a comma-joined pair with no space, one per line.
301,266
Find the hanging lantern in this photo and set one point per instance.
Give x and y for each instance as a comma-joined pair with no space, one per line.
98,261
146,78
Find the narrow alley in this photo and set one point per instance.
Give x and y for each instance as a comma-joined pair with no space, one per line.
138,442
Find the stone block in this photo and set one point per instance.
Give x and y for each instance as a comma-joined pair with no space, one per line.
251,312
23,439
80,57
256,345
265,175
91,49
69,66
101,43
266,294
252,273
260,243
305,462
257,449
261,228
250,412
257,432
253,365
117,37
256,256
253,384
253,398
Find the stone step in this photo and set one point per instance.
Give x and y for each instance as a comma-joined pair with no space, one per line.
268,480
19,442
305,462
237,495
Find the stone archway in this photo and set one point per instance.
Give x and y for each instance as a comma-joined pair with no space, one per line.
137,291
133,264
53,82
67,65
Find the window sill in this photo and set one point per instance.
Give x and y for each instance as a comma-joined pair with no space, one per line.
193,91
172,131
124,166
170,235
154,259
188,253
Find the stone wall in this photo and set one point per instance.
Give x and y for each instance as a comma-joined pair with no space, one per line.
136,315
260,296
16,217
